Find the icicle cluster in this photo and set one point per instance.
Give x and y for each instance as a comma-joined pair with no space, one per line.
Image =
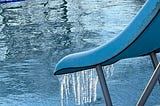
81,87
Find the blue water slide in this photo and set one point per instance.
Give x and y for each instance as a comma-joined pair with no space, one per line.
140,37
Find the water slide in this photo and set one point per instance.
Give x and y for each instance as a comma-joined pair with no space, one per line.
141,37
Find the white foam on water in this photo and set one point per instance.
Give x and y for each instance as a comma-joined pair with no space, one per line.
81,87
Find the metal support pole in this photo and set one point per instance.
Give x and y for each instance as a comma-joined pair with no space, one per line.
155,62
103,85
149,86
154,59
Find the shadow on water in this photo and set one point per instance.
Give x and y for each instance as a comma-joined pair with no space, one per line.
35,35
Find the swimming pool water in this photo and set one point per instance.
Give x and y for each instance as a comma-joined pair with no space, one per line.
34,35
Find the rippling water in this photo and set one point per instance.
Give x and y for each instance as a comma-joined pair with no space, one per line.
34,35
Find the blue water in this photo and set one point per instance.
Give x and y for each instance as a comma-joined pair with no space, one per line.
35,34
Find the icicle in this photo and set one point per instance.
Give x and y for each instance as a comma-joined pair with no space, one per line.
81,86
78,88
61,80
108,70
74,87
94,85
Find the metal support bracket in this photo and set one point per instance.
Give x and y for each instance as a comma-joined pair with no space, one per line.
154,78
149,86
154,59
103,85
154,62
